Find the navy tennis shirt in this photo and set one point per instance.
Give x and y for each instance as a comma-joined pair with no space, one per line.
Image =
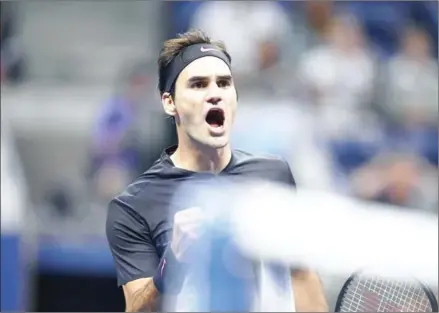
139,227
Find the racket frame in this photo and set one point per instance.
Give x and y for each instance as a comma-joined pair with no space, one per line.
428,292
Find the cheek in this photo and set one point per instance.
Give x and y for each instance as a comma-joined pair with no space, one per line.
233,104
189,108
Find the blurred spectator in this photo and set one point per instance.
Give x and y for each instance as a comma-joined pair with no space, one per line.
278,59
398,179
412,81
251,30
272,75
129,133
340,72
411,96
338,79
382,22
11,53
425,14
319,15
308,23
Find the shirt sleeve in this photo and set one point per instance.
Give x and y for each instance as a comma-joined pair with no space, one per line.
130,242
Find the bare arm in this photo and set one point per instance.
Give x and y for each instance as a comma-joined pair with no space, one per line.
308,292
141,295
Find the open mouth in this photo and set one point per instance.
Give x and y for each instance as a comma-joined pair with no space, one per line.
215,117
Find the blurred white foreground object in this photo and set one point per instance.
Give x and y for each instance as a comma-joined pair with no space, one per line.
334,234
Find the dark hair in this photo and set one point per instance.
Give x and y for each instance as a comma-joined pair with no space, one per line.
172,47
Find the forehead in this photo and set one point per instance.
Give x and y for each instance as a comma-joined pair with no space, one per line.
207,66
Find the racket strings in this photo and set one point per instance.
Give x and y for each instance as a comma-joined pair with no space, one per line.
377,295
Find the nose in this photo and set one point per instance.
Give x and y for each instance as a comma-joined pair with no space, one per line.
213,94
214,100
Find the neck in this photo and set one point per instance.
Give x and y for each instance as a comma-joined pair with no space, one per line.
201,159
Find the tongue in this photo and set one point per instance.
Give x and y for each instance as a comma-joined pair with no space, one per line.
213,124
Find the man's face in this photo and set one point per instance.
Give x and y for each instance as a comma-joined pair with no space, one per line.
205,102
416,45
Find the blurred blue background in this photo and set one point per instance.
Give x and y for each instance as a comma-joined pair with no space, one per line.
346,91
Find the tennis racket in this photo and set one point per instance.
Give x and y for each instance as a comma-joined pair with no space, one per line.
365,293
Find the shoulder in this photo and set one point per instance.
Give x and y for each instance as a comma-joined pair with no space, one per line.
265,166
138,198
242,156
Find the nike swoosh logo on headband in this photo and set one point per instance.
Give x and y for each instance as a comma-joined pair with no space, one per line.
202,49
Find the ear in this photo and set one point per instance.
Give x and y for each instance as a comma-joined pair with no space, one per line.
168,104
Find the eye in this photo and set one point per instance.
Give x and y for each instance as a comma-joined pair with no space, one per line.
224,83
199,85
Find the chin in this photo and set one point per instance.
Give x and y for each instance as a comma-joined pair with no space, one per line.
218,145
215,142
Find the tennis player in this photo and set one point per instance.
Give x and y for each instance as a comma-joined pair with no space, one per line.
198,92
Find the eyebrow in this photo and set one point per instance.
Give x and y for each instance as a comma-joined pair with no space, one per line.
202,78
